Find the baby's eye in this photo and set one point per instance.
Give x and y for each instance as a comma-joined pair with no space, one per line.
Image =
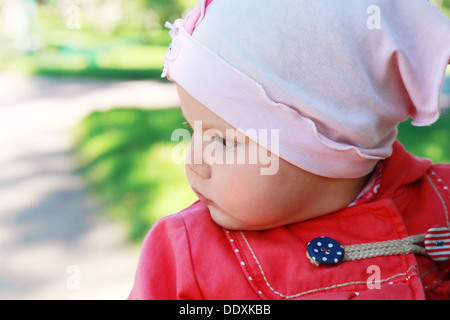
226,143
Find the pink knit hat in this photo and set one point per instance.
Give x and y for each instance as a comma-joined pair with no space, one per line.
334,77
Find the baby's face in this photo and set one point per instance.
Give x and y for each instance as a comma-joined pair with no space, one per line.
238,195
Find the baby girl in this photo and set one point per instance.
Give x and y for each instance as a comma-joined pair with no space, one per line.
331,205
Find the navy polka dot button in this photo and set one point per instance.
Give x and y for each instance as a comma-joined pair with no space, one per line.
325,250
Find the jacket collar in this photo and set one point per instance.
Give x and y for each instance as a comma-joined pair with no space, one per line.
400,169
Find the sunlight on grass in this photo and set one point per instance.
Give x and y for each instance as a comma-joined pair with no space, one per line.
125,158
132,57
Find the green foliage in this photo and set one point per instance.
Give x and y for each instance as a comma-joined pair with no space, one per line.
167,10
430,142
132,47
445,7
125,158
120,61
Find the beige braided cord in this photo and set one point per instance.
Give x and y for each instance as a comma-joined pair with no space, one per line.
385,248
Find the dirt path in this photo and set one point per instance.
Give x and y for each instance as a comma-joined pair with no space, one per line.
52,244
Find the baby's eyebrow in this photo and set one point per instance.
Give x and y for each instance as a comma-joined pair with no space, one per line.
223,130
205,125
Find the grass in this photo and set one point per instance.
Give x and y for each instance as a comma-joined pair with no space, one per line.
128,52
430,142
121,61
125,157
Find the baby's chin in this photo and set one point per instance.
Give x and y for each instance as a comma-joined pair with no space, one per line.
229,222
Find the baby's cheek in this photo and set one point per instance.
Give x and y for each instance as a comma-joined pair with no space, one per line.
237,193
246,194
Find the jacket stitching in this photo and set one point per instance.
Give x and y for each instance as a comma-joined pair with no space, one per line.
317,289
243,261
439,195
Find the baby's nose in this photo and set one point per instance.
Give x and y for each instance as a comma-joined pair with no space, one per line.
196,163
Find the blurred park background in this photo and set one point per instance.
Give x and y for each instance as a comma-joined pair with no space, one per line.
85,142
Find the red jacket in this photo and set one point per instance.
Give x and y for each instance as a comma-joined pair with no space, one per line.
188,256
